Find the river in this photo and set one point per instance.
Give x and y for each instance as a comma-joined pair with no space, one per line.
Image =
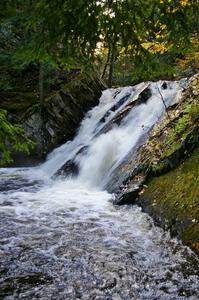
62,237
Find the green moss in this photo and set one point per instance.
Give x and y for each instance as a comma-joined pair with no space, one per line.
158,168
181,129
19,105
175,197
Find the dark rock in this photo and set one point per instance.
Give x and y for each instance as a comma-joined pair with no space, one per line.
120,102
164,85
114,107
82,150
144,95
62,113
128,195
70,168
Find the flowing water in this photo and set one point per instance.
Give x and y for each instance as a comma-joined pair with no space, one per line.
61,236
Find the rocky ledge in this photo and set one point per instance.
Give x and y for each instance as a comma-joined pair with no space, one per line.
61,115
163,178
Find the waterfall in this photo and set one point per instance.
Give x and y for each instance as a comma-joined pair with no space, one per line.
62,236
109,131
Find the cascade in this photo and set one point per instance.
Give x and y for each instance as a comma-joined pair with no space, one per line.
123,118
62,237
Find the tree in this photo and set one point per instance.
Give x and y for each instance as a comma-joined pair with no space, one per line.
69,31
11,138
13,35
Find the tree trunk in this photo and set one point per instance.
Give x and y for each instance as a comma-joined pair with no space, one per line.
41,86
107,63
111,65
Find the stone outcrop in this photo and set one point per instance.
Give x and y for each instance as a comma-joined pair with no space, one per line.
61,115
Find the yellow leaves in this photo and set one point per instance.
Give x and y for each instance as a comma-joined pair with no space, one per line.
185,2
154,47
195,85
196,59
195,40
180,4
195,246
191,58
182,62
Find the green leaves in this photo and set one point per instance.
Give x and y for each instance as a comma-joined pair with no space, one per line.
12,138
67,32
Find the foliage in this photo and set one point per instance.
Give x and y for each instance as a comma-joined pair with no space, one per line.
11,138
68,33
146,34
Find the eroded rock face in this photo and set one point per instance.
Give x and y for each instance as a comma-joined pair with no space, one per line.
62,113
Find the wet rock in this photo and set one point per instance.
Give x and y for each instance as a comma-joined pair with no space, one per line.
144,95
82,150
120,103
128,195
70,168
164,86
142,98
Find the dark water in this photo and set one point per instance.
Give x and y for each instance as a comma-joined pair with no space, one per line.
60,240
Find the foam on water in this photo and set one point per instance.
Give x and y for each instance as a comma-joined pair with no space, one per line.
63,237
109,148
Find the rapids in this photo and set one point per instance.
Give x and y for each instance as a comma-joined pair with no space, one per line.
61,236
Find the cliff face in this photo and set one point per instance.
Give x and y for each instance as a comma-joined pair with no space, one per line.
61,115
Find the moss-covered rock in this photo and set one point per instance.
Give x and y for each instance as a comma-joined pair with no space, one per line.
172,199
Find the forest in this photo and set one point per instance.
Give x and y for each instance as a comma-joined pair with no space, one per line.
99,149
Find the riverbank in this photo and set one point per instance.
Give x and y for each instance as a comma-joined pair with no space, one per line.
172,201
165,180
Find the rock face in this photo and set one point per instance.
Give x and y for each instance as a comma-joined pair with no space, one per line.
62,113
162,176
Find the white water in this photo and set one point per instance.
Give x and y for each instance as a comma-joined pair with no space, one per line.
66,231
106,151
